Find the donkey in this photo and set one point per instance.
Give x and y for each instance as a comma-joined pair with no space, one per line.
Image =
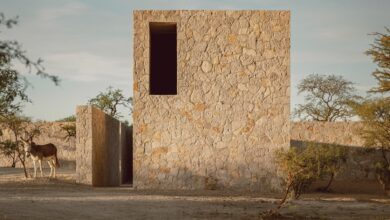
46,152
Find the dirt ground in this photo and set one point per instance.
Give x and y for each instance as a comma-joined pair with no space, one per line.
44,198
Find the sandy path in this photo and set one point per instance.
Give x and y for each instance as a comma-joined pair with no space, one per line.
44,198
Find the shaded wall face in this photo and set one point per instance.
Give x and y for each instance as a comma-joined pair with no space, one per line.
231,110
360,161
106,149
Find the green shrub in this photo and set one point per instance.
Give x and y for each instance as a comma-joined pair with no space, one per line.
302,166
71,118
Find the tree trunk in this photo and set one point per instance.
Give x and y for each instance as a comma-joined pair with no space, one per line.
288,189
14,160
385,157
326,188
25,170
383,176
22,160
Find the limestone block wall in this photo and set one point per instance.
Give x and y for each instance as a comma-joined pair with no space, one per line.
232,105
342,133
84,145
100,139
51,132
360,159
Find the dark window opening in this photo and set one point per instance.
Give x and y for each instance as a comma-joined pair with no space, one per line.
163,58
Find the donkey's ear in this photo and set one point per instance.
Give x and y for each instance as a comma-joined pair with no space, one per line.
24,141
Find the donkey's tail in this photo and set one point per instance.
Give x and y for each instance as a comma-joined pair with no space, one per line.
57,162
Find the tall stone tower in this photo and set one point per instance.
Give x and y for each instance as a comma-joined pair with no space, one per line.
211,98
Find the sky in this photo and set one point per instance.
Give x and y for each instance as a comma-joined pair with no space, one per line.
88,44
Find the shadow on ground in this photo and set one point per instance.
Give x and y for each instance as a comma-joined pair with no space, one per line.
62,198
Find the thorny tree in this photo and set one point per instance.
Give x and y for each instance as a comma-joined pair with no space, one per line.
380,53
8,149
110,100
375,112
326,98
17,125
375,115
70,130
305,164
12,83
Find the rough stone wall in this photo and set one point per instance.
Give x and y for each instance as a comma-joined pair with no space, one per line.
51,132
84,145
341,133
232,107
99,143
360,159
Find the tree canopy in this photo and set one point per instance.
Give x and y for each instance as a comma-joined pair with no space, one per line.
110,100
380,54
12,83
375,115
326,98
19,127
71,118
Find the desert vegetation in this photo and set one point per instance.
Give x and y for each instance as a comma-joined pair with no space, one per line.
332,98
328,98
110,101
375,112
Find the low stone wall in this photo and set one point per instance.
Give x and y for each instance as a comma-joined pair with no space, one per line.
341,133
111,161
51,132
360,160
100,141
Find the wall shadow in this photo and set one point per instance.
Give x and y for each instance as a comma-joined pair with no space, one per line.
357,175
127,157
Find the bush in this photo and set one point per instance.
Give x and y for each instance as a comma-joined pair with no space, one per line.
71,118
303,166
8,149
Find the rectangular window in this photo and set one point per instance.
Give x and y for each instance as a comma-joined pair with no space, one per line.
163,58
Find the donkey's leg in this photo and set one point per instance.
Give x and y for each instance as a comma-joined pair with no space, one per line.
54,167
40,167
35,169
51,167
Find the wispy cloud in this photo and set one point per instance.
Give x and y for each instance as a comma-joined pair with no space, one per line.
329,57
84,66
51,14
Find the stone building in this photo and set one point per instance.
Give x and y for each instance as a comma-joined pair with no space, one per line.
211,98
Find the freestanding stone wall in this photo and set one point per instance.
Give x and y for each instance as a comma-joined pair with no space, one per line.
360,161
232,105
100,140
341,133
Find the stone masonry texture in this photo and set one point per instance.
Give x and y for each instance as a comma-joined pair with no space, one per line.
232,107
99,142
84,145
51,132
360,160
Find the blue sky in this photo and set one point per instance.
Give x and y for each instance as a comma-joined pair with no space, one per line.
88,44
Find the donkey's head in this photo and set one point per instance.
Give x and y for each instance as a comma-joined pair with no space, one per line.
28,143
27,148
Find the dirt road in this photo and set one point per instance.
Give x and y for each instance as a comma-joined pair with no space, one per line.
44,198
